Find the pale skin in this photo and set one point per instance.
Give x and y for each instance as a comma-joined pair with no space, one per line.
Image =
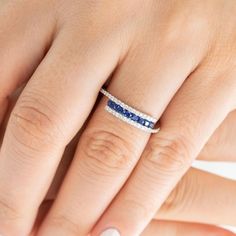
186,201
172,59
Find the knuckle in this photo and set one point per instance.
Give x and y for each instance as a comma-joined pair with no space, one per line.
7,211
182,196
194,26
65,224
31,117
197,23
33,125
106,150
137,206
169,155
13,216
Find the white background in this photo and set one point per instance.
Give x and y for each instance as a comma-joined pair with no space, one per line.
224,169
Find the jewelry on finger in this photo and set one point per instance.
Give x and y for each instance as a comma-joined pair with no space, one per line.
128,114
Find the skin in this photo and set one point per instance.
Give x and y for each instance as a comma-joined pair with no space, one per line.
172,59
186,200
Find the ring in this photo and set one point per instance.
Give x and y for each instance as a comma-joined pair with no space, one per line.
128,114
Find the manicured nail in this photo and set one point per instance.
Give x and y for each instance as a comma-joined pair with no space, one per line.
110,232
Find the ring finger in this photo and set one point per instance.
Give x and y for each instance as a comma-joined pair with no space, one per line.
109,148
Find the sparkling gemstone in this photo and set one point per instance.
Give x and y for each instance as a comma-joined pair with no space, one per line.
146,123
151,125
126,113
111,104
119,109
134,117
141,121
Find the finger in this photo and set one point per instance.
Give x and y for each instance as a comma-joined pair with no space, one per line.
48,114
201,197
186,125
18,54
171,228
42,212
62,168
221,146
109,148
11,103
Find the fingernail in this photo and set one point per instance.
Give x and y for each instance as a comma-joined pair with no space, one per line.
110,232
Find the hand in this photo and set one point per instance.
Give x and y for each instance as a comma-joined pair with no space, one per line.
192,199
150,48
185,202
188,201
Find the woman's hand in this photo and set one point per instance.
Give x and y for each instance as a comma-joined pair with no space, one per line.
186,201
157,53
196,197
200,196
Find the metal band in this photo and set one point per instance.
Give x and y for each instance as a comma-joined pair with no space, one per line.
128,114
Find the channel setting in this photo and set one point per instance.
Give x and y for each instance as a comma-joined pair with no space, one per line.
128,114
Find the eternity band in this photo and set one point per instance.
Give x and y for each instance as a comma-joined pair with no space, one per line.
128,114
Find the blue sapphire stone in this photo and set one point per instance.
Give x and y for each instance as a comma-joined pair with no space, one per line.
126,113
111,104
141,121
119,109
134,117
129,114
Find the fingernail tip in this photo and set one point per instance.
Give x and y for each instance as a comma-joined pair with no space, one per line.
110,232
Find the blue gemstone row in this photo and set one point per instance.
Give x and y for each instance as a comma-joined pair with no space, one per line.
130,115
